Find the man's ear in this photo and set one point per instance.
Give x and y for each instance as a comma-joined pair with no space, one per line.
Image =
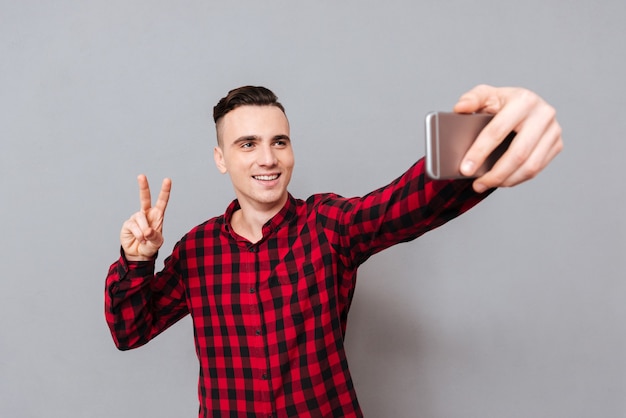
218,156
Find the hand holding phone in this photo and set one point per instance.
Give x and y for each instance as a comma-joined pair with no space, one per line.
449,136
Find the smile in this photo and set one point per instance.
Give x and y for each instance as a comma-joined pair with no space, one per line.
267,177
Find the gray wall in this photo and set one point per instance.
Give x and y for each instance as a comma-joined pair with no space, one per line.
514,310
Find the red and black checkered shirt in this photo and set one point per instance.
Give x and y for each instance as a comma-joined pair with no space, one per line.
270,317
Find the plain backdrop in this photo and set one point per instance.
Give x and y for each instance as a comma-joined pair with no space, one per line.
516,309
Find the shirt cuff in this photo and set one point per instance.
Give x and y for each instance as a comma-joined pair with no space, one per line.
126,265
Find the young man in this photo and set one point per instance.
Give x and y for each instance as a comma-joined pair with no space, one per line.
269,283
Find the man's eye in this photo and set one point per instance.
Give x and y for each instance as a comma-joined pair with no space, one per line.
246,145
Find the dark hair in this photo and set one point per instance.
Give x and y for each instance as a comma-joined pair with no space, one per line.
246,95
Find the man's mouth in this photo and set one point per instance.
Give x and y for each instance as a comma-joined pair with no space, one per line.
268,177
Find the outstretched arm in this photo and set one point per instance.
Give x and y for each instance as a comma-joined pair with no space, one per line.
537,142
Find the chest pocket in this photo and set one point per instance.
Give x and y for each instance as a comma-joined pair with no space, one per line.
290,272
297,263
296,289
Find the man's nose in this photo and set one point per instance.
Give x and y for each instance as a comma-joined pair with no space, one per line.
267,156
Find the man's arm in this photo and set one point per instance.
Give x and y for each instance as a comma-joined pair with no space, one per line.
414,204
408,207
138,304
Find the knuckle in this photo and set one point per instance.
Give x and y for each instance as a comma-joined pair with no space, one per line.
495,132
559,146
477,91
499,178
550,111
528,96
559,132
519,157
531,169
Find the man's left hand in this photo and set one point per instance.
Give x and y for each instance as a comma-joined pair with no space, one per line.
537,141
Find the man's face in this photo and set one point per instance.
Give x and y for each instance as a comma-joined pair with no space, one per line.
255,150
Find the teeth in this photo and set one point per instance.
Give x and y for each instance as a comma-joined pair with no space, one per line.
267,178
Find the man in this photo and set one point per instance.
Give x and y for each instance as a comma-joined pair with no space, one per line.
269,283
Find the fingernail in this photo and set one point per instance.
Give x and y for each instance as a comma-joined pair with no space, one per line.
467,167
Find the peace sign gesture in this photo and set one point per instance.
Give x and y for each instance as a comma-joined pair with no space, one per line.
142,235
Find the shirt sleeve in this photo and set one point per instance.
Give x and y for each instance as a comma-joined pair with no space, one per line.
408,207
139,305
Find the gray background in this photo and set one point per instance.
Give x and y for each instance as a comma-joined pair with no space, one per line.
514,310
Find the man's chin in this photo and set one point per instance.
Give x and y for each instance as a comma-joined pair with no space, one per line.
268,199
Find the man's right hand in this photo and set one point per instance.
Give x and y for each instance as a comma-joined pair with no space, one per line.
142,234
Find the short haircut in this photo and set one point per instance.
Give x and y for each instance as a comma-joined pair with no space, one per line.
245,96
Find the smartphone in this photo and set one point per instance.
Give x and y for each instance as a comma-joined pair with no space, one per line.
449,136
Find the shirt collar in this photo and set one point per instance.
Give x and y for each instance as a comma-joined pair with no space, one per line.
287,212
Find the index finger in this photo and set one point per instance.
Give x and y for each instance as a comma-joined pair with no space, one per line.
164,195
145,200
505,122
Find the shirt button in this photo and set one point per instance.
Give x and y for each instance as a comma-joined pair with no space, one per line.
264,377
252,290
257,332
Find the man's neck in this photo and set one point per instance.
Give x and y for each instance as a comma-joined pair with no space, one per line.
248,221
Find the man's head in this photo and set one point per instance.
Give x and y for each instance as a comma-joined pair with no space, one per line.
254,147
243,96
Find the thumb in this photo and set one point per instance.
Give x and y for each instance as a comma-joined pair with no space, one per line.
480,98
467,104
153,238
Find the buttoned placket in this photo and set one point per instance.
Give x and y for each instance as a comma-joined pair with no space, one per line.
258,349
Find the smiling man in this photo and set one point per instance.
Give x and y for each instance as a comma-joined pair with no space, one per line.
269,283
255,149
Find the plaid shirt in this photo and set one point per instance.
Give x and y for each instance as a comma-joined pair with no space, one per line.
269,318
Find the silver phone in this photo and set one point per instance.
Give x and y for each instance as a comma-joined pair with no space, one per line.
449,136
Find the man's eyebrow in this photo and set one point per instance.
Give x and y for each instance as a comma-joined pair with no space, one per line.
246,138
256,138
